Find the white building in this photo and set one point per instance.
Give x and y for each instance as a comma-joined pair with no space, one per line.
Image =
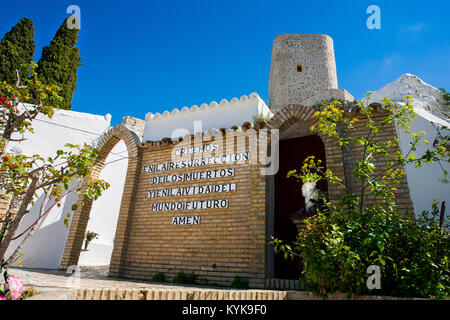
45,248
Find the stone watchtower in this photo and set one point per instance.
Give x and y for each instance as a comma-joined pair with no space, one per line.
303,71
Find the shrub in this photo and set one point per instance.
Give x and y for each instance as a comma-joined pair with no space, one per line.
159,277
338,245
343,240
445,95
183,278
266,118
239,283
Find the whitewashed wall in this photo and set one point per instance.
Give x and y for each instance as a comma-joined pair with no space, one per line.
45,248
430,108
213,116
105,211
423,181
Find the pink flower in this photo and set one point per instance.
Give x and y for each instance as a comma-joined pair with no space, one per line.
15,287
3,298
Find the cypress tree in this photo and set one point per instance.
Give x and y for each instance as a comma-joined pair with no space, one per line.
16,49
59,63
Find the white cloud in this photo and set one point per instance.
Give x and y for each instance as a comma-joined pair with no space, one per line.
411,32
414,28
388,61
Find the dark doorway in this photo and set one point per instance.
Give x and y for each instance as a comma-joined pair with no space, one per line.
288,196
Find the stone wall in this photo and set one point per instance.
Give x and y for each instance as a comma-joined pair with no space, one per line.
134,124
301,66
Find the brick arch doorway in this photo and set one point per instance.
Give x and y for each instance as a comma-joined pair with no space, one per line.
79,223
294,121
289,204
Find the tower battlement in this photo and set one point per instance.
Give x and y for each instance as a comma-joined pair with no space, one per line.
303,71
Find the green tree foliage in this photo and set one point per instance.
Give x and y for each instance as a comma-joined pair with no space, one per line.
59,63
344,239
445,95
16,51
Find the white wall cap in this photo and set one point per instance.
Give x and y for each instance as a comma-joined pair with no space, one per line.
213,115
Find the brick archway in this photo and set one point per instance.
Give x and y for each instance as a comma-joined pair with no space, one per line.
294,113
80,218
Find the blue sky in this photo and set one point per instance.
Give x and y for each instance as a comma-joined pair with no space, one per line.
142,56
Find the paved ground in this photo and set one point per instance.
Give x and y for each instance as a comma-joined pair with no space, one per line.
50,280
94,285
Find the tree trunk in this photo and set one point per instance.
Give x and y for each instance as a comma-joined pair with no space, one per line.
16,253
15,224
7,132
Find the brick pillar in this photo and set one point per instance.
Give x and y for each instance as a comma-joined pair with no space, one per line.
118,257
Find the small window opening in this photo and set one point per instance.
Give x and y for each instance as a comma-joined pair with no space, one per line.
299,68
